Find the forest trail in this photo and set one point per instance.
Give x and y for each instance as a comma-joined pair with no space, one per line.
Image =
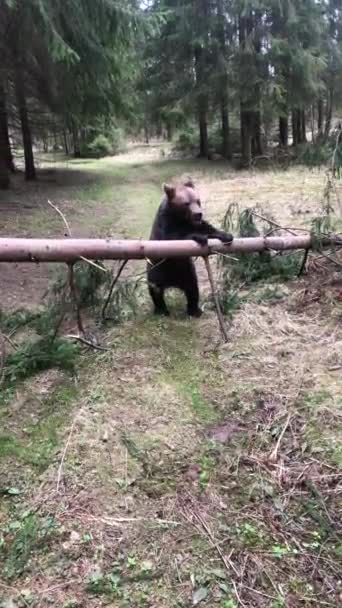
173,470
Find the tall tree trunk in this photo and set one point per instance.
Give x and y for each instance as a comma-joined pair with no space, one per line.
30,170
328,113
226,146
283,131
222,37
169,130
246,122
302,127
65,141
4,174
246,137
296,127
146,134
5,141
257,147
320,117
203,133
76,141
201,67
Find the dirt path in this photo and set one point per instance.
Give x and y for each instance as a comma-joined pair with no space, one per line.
175,471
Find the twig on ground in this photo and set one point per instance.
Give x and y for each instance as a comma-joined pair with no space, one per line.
216,300
225,559
86,342
237,595
118,522
328,257
274,454
60,468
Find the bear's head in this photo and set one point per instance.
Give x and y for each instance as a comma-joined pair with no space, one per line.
184,201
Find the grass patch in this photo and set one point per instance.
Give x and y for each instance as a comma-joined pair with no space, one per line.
21,539
41,439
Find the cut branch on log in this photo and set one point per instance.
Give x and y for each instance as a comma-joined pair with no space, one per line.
70,250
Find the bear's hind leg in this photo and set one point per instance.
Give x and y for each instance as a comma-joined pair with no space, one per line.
192,296
157,295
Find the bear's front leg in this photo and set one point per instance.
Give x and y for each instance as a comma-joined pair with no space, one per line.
213,233
201,239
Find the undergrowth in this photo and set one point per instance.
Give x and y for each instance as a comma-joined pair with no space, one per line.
47,348
248,269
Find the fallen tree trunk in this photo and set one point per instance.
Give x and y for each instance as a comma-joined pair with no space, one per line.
70,249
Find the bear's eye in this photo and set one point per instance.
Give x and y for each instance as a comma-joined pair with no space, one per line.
187,204
199,202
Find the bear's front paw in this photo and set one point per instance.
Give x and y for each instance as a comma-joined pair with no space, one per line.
225,237
201,239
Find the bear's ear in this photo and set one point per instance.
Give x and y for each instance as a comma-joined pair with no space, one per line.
170,191
189,183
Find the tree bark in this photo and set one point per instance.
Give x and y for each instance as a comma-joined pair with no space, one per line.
76,141
146,134
246,136
257,147
328,114
203,133
30,170
303,138
4,174
65,140
283,131
320,117
5,141
71,249
224,101
226,146
169,130
296,127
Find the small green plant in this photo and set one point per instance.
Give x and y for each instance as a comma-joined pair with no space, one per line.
22,538
280,551
207,464
104,584
250,535
32,357
280,602
230,603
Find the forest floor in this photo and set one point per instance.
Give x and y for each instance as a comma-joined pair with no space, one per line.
173,470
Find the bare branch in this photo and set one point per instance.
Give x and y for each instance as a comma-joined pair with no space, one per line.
216,300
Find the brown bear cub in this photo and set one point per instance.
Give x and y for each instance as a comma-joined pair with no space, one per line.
179,217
